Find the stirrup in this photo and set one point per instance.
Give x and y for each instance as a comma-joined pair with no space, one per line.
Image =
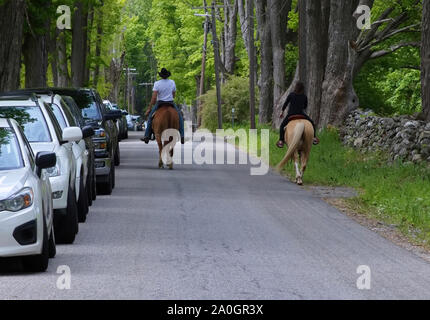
280,144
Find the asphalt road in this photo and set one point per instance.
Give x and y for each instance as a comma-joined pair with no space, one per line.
216,232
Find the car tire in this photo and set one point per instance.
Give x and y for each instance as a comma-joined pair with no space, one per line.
89,189
52,245
67,226
117,156
94,185
39,262
82,203
106,188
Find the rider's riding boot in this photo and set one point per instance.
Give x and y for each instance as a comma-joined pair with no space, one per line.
316,141
182,140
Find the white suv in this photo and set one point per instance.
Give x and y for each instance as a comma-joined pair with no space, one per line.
26,210
65,120
44,134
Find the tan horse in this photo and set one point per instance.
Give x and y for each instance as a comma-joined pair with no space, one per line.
299,135
166,117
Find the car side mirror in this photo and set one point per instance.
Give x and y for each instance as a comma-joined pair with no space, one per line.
72,134
45,160
87,132
113,115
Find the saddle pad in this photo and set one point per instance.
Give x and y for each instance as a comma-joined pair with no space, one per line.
297,117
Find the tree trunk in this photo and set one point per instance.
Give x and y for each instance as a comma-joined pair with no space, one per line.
90,22
230,32
425,59
63,65
79,44
54,56
35,51
339,97
98,46
242,10
266,65
278,33
314,44
115,71
12,18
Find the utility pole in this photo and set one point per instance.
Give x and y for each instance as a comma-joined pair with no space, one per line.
128,90
251,62
217,65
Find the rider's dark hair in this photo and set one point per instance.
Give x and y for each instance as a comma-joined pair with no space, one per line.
299,88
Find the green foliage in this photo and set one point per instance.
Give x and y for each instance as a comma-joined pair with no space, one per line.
234,94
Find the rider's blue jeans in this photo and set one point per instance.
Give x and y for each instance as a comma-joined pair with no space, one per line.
148,130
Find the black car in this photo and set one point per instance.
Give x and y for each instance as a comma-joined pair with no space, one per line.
95,114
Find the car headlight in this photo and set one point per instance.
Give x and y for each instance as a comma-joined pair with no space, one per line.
20,200
100,145
100,133
54,171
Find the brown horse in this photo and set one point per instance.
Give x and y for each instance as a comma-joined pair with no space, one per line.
166,117
299,135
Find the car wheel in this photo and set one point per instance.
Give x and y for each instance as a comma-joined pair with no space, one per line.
106,188
82,203
94,185
113,178
52,245
67,226
117,157
38,263
89,189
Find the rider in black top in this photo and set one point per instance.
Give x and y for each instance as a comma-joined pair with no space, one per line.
298,104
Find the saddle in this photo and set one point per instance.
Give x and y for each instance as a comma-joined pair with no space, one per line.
163,104
297,117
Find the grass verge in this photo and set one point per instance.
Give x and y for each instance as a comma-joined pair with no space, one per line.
395,193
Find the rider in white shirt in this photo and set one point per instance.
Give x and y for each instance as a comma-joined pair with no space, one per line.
164,92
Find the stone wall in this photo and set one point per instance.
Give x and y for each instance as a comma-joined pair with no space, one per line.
401,137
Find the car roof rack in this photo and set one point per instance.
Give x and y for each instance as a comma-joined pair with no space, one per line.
15,95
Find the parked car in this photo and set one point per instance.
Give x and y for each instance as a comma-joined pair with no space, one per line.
77,115
82,158
84,163
105,140
44,133
26,209
122,122
134,122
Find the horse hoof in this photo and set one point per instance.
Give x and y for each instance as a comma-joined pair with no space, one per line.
300,182
171,168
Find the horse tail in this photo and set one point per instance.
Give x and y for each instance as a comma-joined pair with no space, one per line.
298,133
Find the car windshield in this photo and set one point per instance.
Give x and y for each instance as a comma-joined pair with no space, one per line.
31,120
10,154
58,115
87,104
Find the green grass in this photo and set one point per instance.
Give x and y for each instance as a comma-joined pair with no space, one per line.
396,193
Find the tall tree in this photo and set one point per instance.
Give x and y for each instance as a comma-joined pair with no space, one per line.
230,34
266,61
425,59
279,10
37,43
79,43
12,18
